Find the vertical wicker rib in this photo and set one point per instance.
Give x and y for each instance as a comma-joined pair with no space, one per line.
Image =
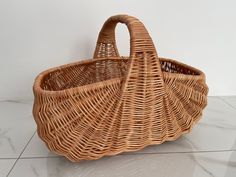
112,104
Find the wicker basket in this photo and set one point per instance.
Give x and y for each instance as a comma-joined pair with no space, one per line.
111,104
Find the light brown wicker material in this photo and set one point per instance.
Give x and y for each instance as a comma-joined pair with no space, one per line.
111,104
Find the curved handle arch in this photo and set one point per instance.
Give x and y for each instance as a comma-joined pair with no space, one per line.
140,40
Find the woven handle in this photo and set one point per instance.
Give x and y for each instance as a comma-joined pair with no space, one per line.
144,72
140,41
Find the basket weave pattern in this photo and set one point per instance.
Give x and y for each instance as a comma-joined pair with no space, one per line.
111,104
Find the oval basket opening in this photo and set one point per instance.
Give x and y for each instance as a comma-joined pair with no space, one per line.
84,73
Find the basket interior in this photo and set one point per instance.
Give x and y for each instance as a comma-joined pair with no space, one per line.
101,70
84,74
172,66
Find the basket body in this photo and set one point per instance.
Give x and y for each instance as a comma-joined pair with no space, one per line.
111,104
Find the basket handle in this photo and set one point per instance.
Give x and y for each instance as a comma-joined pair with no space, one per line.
140,41
144,72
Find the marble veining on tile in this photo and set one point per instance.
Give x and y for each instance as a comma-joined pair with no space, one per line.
5,166
5,138
16,128
231,100
142,165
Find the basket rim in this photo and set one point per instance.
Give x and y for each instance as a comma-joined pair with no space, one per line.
38,80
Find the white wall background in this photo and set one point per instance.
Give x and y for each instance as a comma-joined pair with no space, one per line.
38,34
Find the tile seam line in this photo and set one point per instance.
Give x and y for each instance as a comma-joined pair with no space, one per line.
20,154
187,152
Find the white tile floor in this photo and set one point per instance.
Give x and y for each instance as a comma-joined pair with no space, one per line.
209,150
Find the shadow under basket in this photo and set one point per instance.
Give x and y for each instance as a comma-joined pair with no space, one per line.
112,104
